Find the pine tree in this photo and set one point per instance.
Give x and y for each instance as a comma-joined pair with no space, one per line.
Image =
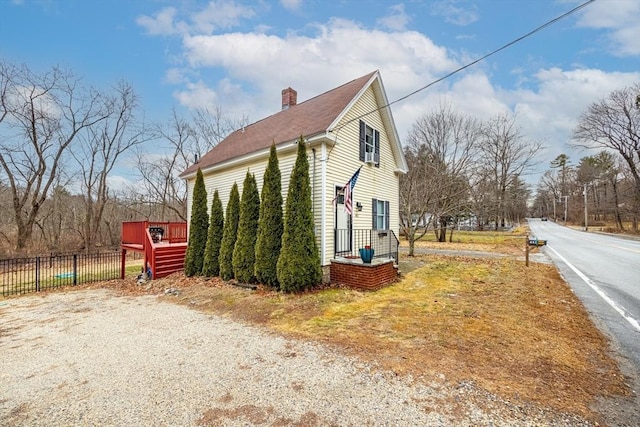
244,252
197,228
229,234
211,266
299,262
270,224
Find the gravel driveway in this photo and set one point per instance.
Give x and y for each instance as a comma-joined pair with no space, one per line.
89,357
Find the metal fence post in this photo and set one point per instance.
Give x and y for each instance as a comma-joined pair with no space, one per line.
75,269
37,274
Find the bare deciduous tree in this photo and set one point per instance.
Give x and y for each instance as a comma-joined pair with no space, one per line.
100,146
41,116
441,152
506,156
162,186
613,123
185,141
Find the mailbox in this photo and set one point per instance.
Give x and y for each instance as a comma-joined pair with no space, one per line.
537,242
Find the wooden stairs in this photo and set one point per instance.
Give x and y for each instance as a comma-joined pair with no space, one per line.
164,245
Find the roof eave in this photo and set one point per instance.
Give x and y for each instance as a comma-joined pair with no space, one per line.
312,140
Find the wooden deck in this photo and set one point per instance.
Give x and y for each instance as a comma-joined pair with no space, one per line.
164,245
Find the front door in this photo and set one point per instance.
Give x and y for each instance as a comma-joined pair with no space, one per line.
343,225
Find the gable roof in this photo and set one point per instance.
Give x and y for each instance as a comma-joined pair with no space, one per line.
311,117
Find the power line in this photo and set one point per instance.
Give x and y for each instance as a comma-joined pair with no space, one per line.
530,33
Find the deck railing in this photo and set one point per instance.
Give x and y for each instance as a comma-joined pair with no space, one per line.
135,233
145,234
347,243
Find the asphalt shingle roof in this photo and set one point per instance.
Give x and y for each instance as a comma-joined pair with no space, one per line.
307,118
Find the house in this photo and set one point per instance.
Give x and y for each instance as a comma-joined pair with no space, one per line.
346,128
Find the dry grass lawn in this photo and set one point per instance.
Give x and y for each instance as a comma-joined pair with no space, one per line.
516,331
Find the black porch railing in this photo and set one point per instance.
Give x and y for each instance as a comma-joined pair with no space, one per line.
347,243
25,275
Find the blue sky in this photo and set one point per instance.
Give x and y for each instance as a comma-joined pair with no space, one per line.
239,55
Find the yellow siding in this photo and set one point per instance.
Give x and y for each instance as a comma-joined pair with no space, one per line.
223,180
381,183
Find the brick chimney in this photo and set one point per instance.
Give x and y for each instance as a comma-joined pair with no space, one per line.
289,98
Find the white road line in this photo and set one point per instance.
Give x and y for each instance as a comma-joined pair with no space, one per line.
599,291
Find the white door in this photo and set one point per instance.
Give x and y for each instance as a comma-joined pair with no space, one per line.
343,225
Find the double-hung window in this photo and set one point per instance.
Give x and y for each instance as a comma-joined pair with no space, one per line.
369,144
380,217
369,141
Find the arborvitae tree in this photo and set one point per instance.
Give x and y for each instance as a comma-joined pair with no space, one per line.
211,266
299,262
229,234
244,252
270,224
197,228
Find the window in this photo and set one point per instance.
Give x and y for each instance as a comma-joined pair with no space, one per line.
380,209
369,143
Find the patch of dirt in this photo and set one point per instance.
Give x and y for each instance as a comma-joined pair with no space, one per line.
516,332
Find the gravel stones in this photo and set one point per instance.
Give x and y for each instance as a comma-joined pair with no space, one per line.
92,358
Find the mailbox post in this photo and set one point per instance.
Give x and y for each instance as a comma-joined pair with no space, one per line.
533,241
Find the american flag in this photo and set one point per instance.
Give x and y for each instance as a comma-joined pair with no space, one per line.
348,190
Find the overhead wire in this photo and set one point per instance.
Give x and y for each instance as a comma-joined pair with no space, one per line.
511,43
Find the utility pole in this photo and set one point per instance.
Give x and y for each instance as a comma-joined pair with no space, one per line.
584,193
554,209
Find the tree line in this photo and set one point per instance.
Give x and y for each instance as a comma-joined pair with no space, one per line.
60,142
464,171
602,189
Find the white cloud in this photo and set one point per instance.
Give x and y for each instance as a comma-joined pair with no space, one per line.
622,18
548,112
196,95
161,23
175,76
291,4
339,52
220,14
119,183
397,20
457,12
551,112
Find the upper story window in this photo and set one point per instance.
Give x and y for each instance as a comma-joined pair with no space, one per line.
369,144
369,141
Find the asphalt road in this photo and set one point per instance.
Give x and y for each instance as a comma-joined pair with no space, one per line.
604,272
